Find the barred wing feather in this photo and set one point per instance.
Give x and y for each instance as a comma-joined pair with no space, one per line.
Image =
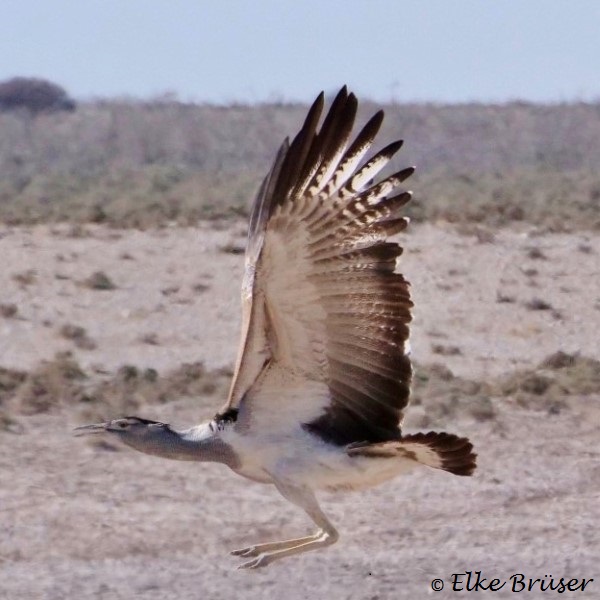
325,315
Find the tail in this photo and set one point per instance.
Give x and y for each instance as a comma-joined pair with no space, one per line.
438,450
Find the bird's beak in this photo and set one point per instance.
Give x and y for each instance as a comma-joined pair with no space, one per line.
88,429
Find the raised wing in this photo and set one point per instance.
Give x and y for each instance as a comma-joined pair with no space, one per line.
325,315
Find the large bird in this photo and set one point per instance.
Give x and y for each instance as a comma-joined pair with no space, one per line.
323,372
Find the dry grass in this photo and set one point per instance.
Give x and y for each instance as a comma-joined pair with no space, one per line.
443,396
554,202
556,379
78,335
585,248
538,304
233,248
62,382
25,278
8,310
200,287
150,338
549,388
502,298
52,384
99,281
146,164
536,254
446,350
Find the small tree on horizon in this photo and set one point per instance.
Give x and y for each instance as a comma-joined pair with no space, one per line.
34,95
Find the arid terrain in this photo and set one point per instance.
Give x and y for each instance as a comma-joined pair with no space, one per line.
96,322
122,233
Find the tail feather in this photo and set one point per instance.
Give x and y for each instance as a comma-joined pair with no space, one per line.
442,450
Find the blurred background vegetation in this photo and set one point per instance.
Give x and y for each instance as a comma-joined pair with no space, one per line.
147,163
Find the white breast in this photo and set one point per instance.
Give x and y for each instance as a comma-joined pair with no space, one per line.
305,460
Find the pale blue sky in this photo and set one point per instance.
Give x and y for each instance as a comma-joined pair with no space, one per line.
255,50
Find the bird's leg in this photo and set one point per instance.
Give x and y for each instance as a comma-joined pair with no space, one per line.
276,546
267,553
271,546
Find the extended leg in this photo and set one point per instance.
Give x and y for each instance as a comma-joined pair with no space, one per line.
267,553
270,546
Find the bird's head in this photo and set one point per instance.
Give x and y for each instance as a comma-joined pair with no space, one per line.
141,434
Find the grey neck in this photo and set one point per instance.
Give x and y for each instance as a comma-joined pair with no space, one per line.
201,444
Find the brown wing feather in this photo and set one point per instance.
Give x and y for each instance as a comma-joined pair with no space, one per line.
327,305
438,450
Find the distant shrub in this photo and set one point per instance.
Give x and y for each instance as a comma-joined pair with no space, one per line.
8,310
99,281
146,164
34,95
78,335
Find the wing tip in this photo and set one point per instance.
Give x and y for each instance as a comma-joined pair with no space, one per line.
392,148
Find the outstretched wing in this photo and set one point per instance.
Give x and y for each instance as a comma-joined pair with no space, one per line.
325,315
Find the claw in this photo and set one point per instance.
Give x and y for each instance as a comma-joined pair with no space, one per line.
250,551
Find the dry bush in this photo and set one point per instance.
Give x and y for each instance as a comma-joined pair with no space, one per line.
25,278
170,290
538,304
483,234
10,380
232,248
132,388
559,360
53,384
9,424
556,201
446,350
502,298
549,386
78,231
99,281
142,164
150,338
444,396
78,335
536,254
200,287
8,310
61,382
34,95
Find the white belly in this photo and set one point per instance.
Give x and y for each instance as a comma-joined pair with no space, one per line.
305,460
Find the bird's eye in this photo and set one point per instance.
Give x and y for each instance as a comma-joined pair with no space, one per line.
123,425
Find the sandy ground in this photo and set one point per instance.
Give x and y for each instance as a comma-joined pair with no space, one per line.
79,521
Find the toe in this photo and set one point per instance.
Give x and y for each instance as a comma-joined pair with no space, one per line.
250,551
262,560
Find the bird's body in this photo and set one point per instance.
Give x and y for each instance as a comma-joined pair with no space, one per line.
308,461
323,372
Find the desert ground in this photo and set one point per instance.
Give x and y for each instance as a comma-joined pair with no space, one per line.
97,322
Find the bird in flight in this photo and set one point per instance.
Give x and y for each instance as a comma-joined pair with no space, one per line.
323,372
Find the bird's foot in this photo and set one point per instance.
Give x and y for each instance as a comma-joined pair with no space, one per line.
269,547
249,551
262,560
